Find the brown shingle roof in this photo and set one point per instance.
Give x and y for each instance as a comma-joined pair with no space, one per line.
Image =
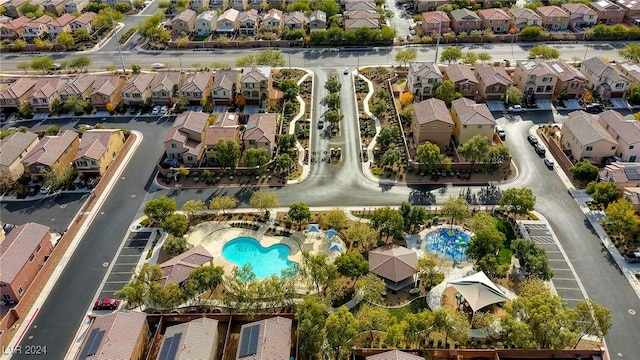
166,80
471,113
261,127
362,14
552,11
78,86
493,14
94,143
47,87
627,130
460,73
105,85
536,67
18,88
16,248
185,16
11,147
431,110
113,336
254,74
85,18
196,339
394,355
586,129
463,14
177,269
138,83
225,79
191,121
196,82
63,20
566,72
393,262
578,8
435,17
490,75
274,339
50,148
523,13
217,133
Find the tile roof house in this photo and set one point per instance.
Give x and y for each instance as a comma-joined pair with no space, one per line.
495,19
608,12
431,121
218,132
196,339
296,20
604,78
45,91
318,21
12,29
626,132
394,355
463,78
431,22
523,17
206,23
225,86
268,339
351,5
22,254
273,19
536,79
83,22
581,16
184,141
98,148
184,22
357,19
248,22
631,71
428,5
137,90
60,25
81,87
165,86
55,7
465,20
632,194
570,80
120,335
554,18
76,6
255,83
228,22
623,174
51,150
632,10
471,119
493,81
260,132
16,93
36,28
423,78
12,8
197,86
177,269
12,149
106,90
585,138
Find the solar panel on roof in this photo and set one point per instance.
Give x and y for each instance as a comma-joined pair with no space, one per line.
632,173
249,340
93,343
170,347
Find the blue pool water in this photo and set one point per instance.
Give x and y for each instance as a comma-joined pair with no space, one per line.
265,262
450,243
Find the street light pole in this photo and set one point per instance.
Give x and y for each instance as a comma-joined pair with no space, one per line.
438,39
115,29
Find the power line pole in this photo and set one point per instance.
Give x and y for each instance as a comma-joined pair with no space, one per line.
438,39
115,29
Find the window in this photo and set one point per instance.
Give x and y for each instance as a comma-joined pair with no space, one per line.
197,95
435,126
81,163
613,148
127,95
464,126
187,94
589,148
40,169
154,94
31,257
215,92
479,126
548,89
574,85
38,248
466,86
6,296
630,147
189,158
432,81
3,285
251,85
94,163
619,85
173,146
20,291
540,89
496,88
252,142
632,158
547,79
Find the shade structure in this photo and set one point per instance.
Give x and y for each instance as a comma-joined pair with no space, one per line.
393,262
479,291
331,233
335,246
314,228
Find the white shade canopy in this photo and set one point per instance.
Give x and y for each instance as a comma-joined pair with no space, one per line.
479,291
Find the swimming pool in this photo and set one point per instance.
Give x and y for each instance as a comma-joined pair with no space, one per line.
450,243
264,261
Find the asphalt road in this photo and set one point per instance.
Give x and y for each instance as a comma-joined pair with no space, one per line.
56,211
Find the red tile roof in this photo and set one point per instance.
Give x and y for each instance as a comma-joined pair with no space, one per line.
16,248
12,146
177,269
274,339
50,148
94,143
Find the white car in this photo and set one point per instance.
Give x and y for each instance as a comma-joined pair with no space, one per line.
346,71
516,109
85,126
158,66
156,110
163,110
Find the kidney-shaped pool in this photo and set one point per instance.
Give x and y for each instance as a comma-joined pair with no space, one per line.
265,262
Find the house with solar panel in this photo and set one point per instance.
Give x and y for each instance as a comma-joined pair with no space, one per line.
120,335
196,339
268,339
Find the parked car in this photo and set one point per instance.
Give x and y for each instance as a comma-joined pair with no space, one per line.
532,139
346,71
106,304
158,65
170,163
45,190
594,108
163,110
516,109
501,133
85,126
156,110
549,163
540,150
320,125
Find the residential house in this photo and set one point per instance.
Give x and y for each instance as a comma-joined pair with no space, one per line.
608,12
570,81
165,87
55,7
16,93
631,71
137,90
352,5
184,139
248,22
196,87
273,19
626,132
196,339
185,22
12,149
206,23
495,19
296,20
35,29
581,16
431,121
228,22
357,19
60,25
428,5
199,5
83,22
265,339
23,253
255,84
463,78
51,150
98,148
465,20
493,82
318,21
219,4
623,174
394,355
431,22
632,10
220,131
523,17
45,92
176,270
12,29
554,18
605,79
536,79
423,78
12,8
119,335
238,5
75,6
257,4
585,138
632,194
471,119
225,86
260,132
106,92
81,86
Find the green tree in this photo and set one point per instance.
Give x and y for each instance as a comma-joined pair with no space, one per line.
265,200
299,211
584,171
469,58
603,192
149,27
59,176
621,218
429,156
446,92
30,10
137,291
531,32
362,234
166,297
283,162
452,323
311,314
227,151
24,66
122,7
18,45
287,141
387,221
52,130
372,318
206,278
352,264
533,260
334,219
290,89
484,245
387,135
431,270
175,224
474,149
456,209
514,95
340,327
81,35
317,270
25,110
484,57
630,52
175,245
333,117
391,157
270,57
330,7
136,69
222,203
332,85
159,209
65,40
192,206
406,55
518,200
107,17
332,101
543,52
451,54
497,155
256,157
412,215
75,104
80,62
43,63
592,318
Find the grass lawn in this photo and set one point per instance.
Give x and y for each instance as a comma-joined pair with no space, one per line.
504,256
200,38
413,308
505,228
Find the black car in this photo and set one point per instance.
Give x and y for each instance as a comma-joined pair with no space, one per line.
594,108
539,149
320,125
170,163
532,139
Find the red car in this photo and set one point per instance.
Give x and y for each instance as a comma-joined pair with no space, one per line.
106,304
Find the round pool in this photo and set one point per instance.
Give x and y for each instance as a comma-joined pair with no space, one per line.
265,262
450,243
